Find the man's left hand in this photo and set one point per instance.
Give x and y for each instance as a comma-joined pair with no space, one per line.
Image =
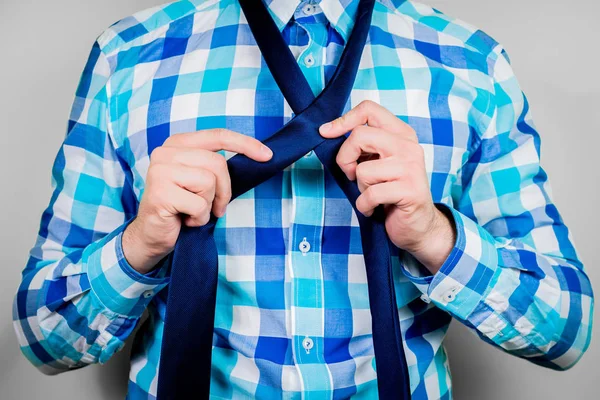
382,153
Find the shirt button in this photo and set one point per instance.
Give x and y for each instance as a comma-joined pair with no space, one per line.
425,298
308,9
147,293
304,246
309,60
450,295
308,344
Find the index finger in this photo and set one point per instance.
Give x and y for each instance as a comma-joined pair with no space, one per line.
367,112
222,139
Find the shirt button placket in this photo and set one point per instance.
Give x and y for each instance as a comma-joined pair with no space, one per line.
308,188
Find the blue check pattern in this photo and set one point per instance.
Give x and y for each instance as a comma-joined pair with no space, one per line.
292,316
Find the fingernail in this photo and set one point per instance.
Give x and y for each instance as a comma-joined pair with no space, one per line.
325,127
267,151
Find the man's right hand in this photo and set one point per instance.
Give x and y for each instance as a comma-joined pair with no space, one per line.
186,179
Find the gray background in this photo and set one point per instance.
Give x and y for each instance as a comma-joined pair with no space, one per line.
44,45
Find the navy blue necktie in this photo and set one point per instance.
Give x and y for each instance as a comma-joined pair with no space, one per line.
185,361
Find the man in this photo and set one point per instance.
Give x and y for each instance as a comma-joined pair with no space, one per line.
440,134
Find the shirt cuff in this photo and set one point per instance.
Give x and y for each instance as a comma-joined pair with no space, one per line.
118,286
462,280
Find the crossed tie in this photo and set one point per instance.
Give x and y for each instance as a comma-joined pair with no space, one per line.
185,360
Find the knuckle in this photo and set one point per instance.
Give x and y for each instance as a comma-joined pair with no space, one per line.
361,202
222,136
220,160
200,206
193,222
204,218
173,139
358,132
358,205
360,171
223,165
370,195
366,105
339,160
218,132
225,197
203,206
158,154
211,180
153,171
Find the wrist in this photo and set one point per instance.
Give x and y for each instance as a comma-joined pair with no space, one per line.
437,244
139,254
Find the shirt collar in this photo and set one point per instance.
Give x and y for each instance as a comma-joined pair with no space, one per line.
339,13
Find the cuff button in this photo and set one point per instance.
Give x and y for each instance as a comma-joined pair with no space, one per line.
450,295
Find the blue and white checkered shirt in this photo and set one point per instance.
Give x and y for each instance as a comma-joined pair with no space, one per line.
292,315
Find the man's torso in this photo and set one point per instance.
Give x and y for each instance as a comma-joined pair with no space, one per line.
292,309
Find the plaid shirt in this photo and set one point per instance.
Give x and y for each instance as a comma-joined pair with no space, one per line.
292,315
